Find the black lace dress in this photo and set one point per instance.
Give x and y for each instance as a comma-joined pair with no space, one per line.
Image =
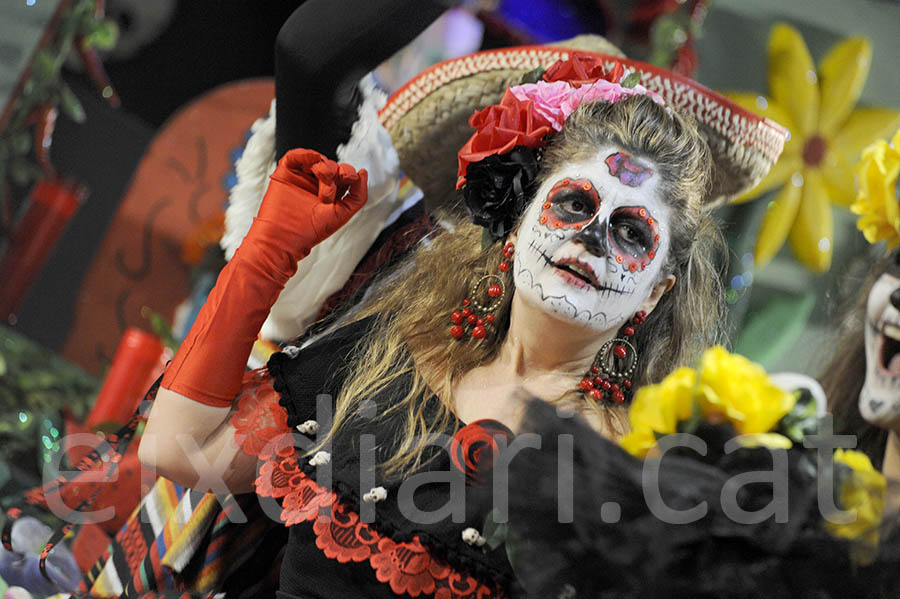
421,532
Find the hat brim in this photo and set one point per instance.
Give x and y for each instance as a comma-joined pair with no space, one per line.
428,117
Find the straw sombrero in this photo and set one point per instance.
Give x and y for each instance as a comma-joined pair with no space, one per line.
428,117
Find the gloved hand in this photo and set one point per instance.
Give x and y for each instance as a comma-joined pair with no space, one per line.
309,198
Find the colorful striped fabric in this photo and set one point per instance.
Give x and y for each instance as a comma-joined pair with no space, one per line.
177,539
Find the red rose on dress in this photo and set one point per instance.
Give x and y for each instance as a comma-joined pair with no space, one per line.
582,68
474,448
499,129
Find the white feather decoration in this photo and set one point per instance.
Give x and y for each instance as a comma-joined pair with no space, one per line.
330,263
252,169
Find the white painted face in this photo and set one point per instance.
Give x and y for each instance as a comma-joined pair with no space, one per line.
592,244
879,400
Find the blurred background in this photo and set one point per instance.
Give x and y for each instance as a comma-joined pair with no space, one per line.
121,121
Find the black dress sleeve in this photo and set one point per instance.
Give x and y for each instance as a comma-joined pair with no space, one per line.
301,376
323,50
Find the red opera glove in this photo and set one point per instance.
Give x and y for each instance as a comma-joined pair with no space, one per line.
309,198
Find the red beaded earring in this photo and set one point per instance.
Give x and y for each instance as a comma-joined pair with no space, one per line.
609,378
483,300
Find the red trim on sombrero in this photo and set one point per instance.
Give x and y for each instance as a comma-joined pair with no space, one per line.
729,120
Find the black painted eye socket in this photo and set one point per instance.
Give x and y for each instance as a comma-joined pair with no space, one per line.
574,206
630,234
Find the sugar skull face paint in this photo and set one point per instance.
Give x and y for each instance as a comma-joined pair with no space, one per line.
592,244
879,400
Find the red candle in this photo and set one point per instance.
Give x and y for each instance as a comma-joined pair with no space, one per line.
51,205
136,359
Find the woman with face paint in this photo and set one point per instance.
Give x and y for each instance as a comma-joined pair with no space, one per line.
593,272
615,223
862,381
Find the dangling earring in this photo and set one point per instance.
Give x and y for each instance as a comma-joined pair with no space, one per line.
483,300
610,375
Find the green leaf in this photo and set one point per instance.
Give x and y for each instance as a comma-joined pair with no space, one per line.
533,76
160,326
71,105
487,240
631,80
43,67
103,35
802,420
494,532
770,332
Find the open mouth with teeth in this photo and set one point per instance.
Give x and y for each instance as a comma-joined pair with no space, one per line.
889,349
579,269
578,273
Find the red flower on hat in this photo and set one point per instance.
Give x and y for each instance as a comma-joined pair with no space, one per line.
516,121
582,68
500,128
475,446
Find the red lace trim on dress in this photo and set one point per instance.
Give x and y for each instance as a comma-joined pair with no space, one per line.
258,418
261,430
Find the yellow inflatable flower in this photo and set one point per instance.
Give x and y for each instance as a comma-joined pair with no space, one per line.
734,388
657,410
864,492
827,136
878,201
727,387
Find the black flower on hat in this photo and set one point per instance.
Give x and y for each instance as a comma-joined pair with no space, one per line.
497,188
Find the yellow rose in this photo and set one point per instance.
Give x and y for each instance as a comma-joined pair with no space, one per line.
657,410
734,388
864,492
770,440
878,196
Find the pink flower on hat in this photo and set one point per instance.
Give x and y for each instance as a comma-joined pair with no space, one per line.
553,101
556,100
